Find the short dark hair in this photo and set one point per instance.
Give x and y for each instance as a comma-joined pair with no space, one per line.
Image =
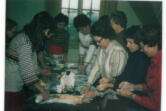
133,32
105,19
119,18
152,35
81,21
62,18
103,30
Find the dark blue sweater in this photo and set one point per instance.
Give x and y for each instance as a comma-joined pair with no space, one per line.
135,70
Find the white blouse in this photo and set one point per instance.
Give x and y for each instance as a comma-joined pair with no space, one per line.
110,62
86,47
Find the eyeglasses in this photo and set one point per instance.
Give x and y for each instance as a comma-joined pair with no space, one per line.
99,41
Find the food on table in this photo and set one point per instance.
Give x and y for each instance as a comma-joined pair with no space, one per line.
76,99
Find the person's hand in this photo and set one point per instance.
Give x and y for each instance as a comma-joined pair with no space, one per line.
90,94
43,91
126,93
126,85
84,90
45,94
103,87
105,80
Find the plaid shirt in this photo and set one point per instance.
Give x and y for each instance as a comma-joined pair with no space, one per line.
152,86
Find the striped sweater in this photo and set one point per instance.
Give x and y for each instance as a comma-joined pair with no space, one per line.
61,38
21,64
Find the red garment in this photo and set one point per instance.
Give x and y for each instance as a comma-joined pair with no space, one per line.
153,85
56,49
14,101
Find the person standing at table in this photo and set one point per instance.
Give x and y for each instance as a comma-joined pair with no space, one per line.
135,70
152,46
111,59
58,45
118,22
87,47
21,67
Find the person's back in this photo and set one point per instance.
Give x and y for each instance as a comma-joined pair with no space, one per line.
17,52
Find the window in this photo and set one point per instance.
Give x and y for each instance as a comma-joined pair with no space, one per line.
91,9
72,8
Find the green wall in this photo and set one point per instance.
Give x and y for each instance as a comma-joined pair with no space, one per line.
142,12
132,18
138,13
22,11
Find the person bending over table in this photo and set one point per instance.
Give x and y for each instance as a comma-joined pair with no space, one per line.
152,46
21,61
111,58
135,70
87,47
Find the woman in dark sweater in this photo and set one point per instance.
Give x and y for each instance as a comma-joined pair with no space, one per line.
135,70
138,62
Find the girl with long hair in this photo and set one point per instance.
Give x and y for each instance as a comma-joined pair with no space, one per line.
21,61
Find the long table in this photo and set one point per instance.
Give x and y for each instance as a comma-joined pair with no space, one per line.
95,105
30,104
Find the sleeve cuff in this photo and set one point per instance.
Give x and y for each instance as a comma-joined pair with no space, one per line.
31,79
32,83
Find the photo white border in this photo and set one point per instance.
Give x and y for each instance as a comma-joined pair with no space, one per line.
2,52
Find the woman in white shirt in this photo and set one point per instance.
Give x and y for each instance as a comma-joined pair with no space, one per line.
86,45
111,58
